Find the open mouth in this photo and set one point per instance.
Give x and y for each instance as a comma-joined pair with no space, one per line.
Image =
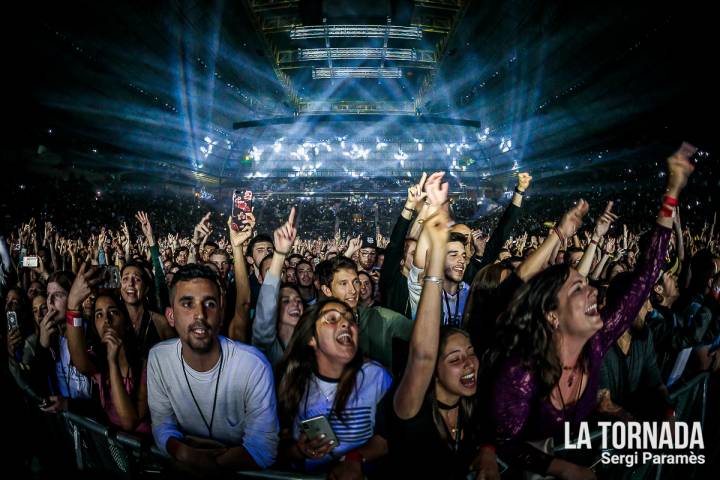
345,339
468,380
591,310
200,332
295,313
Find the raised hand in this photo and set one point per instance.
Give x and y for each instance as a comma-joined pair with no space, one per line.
479,241
285,235
680,168
437,191
353,246
416,195
604,221
146,227
237,239
87,277
571,221
610,246
203,229
523,182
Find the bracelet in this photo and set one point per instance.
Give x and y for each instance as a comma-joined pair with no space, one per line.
594,242
354,456
673,202
73,318
557,232
521,193
281,253
433,279
409,209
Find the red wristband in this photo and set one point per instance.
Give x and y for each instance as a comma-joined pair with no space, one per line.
354,456
489,446
666,211
557,232
668,200
74,318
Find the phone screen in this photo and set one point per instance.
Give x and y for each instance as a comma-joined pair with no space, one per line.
241,205
12,322
110,278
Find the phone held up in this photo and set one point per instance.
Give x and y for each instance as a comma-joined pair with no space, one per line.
31,261
316,426
12,321
242,201
110,278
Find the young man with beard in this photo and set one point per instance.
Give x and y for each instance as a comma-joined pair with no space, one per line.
212,400
380,328
260,246
305,282
455,291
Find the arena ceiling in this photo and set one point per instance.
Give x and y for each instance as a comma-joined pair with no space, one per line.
155,90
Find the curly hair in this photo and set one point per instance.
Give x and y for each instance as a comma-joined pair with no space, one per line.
523,329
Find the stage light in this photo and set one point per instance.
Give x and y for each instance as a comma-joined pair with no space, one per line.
256,153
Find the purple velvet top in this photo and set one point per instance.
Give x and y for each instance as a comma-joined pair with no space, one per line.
522,415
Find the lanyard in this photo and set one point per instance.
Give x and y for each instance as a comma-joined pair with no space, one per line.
452,319
217,383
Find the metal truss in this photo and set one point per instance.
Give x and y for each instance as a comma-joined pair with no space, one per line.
355,72
349,31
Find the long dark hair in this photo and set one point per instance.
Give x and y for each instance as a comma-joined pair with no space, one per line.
467,404
523,329
299,362
129,340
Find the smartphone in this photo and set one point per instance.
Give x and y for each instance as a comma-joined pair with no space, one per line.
316,426
30,261
111,278
12,321
241,205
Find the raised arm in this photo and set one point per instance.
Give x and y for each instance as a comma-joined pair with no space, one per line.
618,316
238,328
601,228
567,227
434,203
506,223
202,230
426,330
264,328
161,289
81,288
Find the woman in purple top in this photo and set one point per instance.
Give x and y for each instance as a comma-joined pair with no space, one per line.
552,340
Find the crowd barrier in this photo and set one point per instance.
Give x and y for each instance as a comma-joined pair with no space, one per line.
99,448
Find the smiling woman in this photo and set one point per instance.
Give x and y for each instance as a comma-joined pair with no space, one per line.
552,339
325,375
